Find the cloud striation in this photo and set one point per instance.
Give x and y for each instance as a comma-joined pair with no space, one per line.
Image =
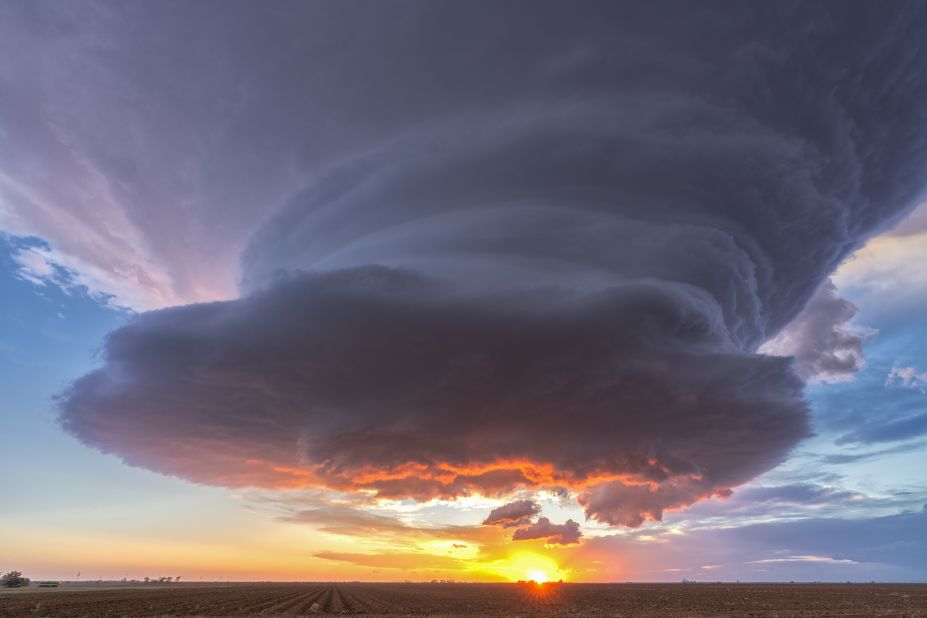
557,275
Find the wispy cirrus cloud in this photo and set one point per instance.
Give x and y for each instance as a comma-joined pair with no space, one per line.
42,265
410,561
824,559
362,522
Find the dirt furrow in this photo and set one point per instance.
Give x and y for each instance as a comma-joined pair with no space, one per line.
305,606
325,601
339,604
291,603
270,601
359,601
233,602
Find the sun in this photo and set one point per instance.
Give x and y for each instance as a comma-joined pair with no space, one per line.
538,576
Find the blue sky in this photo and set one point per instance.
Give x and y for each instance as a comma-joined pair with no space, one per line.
61,488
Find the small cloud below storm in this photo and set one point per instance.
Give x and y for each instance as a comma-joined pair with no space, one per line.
567,533
513,514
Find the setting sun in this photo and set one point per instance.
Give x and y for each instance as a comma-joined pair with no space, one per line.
538,576
529,566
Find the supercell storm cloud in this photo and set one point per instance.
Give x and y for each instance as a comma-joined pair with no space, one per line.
556,273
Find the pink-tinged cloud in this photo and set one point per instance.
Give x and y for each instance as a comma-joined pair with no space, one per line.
826,345
567,533
907,377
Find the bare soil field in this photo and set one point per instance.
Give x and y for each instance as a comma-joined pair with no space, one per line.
645,600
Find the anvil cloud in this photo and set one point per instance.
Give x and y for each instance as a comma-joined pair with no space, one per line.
544,255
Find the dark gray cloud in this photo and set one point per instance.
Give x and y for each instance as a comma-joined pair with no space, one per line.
567,533
543,253
513,514
407,386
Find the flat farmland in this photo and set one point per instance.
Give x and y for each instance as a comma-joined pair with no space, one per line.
300,599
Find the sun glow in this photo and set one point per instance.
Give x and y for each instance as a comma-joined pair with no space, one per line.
526,566
538,576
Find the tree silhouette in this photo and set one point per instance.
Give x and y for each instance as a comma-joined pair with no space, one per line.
14,579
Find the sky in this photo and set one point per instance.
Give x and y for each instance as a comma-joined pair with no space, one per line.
478,291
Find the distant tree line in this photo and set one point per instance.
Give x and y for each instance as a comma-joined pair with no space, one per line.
15,579
161,580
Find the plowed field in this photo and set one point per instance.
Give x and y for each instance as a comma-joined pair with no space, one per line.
646,600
